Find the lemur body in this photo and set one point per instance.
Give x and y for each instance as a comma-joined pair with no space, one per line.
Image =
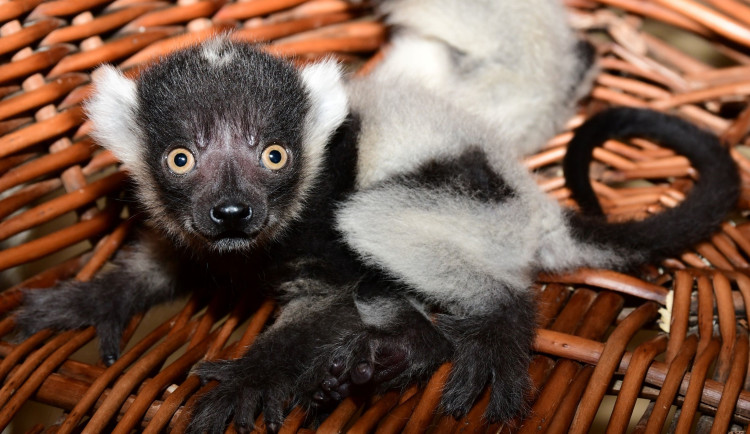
419,202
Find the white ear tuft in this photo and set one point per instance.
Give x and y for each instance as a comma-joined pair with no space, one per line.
329,104
112,109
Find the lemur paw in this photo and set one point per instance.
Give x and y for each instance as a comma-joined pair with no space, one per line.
281,370
240,399
60,309
234,398
335,386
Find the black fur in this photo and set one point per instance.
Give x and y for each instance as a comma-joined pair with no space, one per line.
314,236
400,347
672,231
318,352
586,53
286,362
468,174
110,299
492,349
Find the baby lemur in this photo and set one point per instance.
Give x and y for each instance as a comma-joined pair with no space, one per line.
366,206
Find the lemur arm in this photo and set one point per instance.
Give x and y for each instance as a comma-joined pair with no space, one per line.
139,277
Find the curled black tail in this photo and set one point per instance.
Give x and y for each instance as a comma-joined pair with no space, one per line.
670,232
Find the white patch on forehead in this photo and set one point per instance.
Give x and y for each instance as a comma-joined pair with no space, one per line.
223,135
217,51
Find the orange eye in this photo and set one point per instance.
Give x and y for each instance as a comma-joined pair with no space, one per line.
180,161
274,157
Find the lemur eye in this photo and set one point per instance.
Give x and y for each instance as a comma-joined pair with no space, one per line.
274,157
180,161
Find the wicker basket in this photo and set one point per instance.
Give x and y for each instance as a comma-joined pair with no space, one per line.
600,335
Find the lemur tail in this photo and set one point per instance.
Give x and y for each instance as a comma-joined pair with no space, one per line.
672,231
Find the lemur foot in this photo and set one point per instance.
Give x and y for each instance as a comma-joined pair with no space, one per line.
475,368
491,350
367,363
377,359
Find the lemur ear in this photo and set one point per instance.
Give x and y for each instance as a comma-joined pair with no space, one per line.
112,109
329,105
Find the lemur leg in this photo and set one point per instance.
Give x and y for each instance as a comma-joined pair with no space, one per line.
139,277
464,239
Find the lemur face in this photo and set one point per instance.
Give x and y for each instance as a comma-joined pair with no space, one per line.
222,140
223,135
227,194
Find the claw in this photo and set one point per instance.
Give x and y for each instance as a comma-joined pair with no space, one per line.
243,430
109,360
273,427
320,397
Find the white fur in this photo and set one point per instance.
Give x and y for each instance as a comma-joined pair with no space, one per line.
380,311
443,246
328,109
112,109
511,66
498,75
216,51
459,252
398,131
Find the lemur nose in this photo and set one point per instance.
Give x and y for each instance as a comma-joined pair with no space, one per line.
231,215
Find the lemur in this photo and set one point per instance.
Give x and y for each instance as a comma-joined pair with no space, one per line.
389,214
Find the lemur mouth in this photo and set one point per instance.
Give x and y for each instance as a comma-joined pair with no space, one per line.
236,235
230,239
233,237
234,241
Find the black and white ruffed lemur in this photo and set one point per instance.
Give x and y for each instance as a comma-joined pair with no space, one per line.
367,204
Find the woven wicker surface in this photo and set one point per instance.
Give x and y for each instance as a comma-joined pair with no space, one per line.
53,179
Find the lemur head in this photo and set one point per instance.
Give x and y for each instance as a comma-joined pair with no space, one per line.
224,141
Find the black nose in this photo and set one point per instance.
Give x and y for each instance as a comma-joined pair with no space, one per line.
231,215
